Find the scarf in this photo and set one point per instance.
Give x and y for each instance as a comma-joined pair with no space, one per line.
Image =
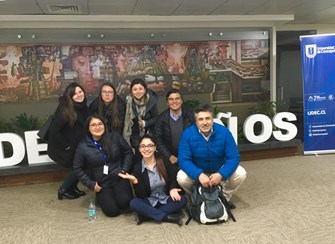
140,106
81,110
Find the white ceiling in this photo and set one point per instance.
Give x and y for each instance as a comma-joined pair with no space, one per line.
304,11
154,20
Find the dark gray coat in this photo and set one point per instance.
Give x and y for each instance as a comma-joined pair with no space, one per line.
89,162
163,131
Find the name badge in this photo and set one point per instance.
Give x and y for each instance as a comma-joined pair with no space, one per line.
105,169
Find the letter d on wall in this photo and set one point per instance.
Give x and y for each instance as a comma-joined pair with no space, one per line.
18,149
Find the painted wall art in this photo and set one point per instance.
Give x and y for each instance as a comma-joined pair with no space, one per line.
230,71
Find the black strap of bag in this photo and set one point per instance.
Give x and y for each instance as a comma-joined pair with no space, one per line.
43,133
230,214
189,218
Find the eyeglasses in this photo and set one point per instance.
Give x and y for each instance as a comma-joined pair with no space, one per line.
96,125
150,146
107,92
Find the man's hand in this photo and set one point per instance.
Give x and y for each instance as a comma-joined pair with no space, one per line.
215,179
204,180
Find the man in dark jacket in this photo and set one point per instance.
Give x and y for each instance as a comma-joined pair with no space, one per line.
169,126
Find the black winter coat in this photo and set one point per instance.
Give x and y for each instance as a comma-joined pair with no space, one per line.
151,113
63,139
163,131
142,188
89,162
108,115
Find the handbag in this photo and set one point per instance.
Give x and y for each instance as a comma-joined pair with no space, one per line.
43,133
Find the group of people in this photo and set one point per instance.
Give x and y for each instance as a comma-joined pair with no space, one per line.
134,158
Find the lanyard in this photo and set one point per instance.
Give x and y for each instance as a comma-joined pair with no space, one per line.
100,149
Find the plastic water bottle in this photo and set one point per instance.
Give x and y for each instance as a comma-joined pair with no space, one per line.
92,212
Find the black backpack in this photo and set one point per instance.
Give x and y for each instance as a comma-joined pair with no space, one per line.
208,205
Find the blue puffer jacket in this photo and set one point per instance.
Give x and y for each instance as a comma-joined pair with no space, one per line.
218,154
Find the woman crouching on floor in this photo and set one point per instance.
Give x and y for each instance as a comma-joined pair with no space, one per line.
99,158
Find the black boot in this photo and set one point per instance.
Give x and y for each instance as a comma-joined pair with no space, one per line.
140,219
63,193
173,218
78,192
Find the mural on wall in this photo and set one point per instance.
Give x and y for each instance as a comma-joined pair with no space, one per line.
230,71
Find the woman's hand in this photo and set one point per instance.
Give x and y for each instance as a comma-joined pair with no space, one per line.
174,194
173,159
97,188
130,177
141,123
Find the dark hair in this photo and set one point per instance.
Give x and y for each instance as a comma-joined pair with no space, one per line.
203,108
105,141
159,160
67,103
111,108
138,81
171,91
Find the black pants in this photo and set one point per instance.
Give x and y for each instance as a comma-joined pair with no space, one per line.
70,181
115,198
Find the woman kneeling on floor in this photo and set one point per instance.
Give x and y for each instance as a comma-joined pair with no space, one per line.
157,191
99,158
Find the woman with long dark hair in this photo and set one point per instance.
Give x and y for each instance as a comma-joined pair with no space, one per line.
65,133
109,106
158,195
99,158
141,113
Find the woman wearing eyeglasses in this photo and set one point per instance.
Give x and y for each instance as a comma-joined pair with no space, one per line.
66,132
99,158
110,106
158,195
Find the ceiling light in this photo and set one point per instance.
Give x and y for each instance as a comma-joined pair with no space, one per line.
210,33
33,36
221,33
152,35
19,36
102,35
89,36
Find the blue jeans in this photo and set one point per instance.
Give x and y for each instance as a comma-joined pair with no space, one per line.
143,207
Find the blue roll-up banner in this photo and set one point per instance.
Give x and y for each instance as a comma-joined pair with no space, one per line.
318,70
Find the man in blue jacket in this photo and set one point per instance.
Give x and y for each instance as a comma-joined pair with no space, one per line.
208,153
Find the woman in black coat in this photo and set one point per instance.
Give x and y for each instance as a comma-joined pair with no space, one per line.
157,191
141,114
66,132
99,158
110,106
